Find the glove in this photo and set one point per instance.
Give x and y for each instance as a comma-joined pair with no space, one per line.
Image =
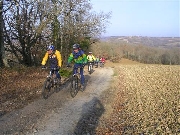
84,63
43,67
58,67
67,65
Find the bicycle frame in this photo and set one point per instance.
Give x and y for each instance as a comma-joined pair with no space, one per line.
51,75
75,83
51,82
101,64
90,64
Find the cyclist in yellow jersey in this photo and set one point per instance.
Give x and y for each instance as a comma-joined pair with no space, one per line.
55,60
91,58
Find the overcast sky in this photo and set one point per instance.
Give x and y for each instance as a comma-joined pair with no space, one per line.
153,18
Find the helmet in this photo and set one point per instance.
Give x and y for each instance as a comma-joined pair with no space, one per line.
90,52
51,47
76,46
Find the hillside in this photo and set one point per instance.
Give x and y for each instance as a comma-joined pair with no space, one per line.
163,42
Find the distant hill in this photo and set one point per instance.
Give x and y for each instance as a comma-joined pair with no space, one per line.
164,42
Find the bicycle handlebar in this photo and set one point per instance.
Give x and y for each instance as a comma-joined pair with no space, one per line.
50,68
69,66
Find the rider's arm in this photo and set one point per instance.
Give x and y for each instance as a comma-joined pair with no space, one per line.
87,57
45,59
93,58
58,54
84,58
70,58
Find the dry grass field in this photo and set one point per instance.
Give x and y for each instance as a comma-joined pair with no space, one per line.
146,100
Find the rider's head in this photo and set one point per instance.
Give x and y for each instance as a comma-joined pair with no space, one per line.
90,53
50,49
76,47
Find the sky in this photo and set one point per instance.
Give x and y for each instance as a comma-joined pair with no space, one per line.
152,18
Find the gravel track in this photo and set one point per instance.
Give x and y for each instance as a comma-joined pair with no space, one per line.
61,114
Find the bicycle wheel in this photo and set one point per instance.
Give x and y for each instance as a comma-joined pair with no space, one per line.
74,86
90,68
57,84
46,88
80,86
102,65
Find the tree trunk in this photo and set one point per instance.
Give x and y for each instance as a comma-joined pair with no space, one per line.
1,35
3,59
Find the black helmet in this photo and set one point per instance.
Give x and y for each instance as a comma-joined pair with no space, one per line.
76,46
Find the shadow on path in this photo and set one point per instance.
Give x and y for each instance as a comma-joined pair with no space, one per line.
91,112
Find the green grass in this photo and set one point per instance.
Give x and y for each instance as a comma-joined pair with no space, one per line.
65,72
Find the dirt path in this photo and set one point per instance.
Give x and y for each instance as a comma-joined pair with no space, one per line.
60,113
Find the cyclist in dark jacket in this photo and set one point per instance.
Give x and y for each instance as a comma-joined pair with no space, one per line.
79,58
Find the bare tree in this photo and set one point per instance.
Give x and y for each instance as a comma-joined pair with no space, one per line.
25,23
5,5
31,25
1,35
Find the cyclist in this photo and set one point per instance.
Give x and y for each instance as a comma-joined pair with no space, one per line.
97,61
102,60
91,58
55,60
79,58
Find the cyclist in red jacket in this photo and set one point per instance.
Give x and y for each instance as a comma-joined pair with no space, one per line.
102,61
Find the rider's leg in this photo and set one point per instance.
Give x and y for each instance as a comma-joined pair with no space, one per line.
75,68
57,74
82,76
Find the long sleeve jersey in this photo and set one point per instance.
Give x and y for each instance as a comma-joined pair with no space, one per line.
91,58
54,59
78,57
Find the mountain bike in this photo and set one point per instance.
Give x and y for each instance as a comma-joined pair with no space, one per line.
101,64
75,83
51,84
90,66
96,64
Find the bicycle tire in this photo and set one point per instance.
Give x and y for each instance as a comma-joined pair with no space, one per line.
57,85
79,86
90,69
74,86
46,88
103,65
